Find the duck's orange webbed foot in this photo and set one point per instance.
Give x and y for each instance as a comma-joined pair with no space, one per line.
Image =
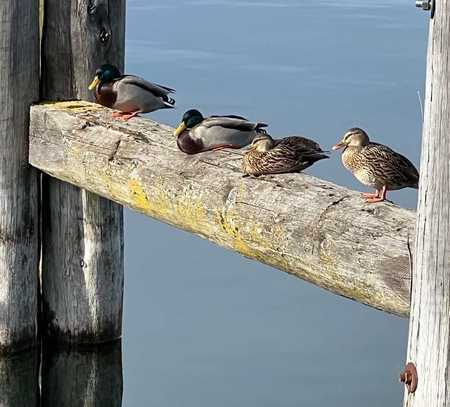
375,199
222,146
124,116
379,196
370,194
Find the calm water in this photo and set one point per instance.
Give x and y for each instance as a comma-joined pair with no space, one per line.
204,326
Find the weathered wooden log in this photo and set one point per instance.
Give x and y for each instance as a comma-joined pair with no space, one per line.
310,228
19,380
82,232
429,332
89,377
19,79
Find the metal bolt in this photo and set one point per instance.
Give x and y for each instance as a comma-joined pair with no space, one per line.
424,4
409,377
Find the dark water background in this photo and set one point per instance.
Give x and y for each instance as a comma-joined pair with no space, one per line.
204,326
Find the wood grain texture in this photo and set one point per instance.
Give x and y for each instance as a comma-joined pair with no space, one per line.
299,224
83,377
82,232
429,337
19,79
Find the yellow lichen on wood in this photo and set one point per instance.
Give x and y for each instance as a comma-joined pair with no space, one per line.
138,196
77,106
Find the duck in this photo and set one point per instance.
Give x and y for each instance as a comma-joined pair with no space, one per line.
376,165
129,94
290,154
196,134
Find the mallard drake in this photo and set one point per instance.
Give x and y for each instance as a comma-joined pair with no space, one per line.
290,154
129,94
376,165
196,133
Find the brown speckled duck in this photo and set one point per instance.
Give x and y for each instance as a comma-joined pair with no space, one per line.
376,165
196,134
129,94
290,154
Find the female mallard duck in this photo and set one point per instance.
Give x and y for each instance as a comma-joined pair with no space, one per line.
129,94
196,133
290,154
376,165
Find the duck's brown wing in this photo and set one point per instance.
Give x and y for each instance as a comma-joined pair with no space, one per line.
300,144
391,168
290,154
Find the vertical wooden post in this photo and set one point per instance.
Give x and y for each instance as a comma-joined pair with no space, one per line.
82,233
82,377
429,336
19,87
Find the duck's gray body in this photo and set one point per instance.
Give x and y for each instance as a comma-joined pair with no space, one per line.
136,94
223,131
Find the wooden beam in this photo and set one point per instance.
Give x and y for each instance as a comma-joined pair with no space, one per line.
299,224
429,337
82,282
19,79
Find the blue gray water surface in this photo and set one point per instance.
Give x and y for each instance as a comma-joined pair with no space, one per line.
204,326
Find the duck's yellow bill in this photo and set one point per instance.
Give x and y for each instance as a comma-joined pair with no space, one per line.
182,127
94,83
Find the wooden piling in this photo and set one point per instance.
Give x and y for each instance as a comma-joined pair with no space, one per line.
82,232
429,337
19,79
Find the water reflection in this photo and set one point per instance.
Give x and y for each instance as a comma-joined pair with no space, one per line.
87,377
19,380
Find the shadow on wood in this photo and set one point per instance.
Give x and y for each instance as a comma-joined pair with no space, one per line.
305,226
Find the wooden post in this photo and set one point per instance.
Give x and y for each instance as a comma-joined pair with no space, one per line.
82,377
19,87
19,380
82,233
429,337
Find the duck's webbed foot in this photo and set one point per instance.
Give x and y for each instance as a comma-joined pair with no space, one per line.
370,194
379,196
124,116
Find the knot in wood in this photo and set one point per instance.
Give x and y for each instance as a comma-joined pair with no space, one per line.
104,35
409,377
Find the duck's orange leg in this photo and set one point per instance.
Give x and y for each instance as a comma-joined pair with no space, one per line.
379,197
222,146
124,116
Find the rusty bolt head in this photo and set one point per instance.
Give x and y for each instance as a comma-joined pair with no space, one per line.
409,377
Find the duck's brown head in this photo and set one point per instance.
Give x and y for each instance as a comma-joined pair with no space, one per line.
354,137
262,143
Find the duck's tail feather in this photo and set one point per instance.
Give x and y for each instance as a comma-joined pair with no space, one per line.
260,128
168,102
